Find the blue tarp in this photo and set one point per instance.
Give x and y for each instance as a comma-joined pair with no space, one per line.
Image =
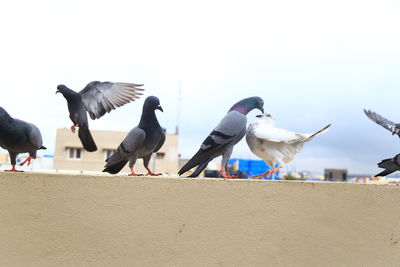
252,167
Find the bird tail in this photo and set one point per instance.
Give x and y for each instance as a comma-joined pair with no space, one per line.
87,139
389,167
202,157
318,132
386,163
42,147
115,163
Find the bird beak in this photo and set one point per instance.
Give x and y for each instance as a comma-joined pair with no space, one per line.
57,91
160,108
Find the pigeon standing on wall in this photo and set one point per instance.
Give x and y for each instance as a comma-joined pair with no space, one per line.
221,140
17,136
96,98
394,128
141,142
275,145
390,165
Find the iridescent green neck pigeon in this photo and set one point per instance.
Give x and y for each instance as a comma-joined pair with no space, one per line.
96,98
17,136
221,140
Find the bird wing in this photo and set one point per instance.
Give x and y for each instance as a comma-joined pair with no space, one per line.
228,132
102,97
133,141
160,143
385,123
272,134
34,135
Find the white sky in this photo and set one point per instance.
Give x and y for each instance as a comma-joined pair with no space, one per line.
313,63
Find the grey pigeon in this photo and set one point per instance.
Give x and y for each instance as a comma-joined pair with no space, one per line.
141,142
221,140
17,136
394,128
390,165
96,98
275,145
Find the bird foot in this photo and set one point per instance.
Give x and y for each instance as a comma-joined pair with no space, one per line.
13,170
225,174
73,128
28,160
152,173
267,174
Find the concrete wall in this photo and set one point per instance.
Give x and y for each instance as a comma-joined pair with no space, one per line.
55,220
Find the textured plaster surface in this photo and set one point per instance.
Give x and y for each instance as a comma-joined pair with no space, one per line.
83,220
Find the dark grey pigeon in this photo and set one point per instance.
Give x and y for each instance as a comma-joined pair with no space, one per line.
394,128
17,136
390,165
96,98
141,142
221,140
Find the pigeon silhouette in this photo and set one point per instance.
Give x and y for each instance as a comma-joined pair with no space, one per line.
17,136
96,98
141,142
225,135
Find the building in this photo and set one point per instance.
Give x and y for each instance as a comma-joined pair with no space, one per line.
70,155
337,175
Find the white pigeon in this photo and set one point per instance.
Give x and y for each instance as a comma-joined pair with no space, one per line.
275,145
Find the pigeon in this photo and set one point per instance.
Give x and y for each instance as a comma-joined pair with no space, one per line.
221,140
390,165
141,142
17,136
96,98
275,145
394,128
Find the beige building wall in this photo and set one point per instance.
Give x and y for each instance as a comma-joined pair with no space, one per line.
166,159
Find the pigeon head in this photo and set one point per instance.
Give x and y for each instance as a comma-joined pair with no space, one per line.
246,105
152,103
266,118
66,92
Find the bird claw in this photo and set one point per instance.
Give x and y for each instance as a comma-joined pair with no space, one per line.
25,161
268,173
13,170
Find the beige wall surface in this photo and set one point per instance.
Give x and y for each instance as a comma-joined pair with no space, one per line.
82,220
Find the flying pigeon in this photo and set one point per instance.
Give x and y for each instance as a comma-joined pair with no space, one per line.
17,136
394,128
96,98
390,165
141,142
221,140
275,145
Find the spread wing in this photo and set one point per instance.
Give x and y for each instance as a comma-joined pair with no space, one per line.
385,123
102,97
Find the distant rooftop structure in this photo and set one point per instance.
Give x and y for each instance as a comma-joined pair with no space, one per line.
336,175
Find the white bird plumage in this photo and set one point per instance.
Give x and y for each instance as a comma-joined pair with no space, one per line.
275,145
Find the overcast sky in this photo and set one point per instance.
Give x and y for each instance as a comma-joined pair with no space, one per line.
313,63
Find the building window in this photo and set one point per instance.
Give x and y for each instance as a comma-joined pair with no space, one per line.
160,155
108,153
74,153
